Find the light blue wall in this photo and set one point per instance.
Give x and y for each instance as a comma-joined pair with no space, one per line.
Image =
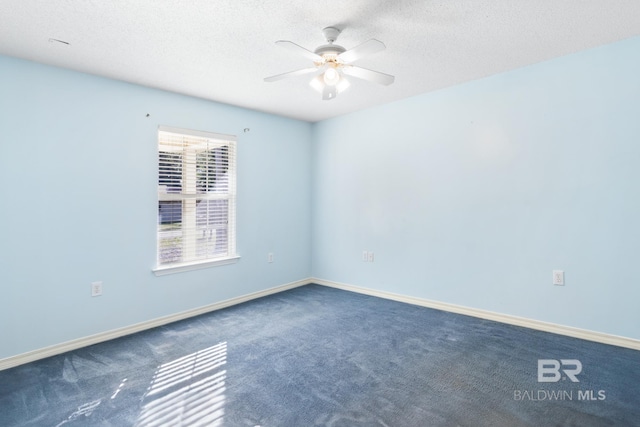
472,195
78,171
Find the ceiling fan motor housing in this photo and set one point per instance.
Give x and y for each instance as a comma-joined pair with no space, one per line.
330,50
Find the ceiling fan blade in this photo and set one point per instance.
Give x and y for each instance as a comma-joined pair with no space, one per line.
289,74
299,49
370,75
367,48
329,92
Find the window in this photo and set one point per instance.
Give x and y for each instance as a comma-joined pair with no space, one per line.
196,199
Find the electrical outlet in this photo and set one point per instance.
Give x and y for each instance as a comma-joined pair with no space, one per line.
365,256
558,277
370,257
96,289
270,257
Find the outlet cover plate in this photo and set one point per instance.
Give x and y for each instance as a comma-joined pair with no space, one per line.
96,289
558,277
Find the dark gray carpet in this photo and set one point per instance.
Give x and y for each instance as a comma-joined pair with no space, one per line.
316,356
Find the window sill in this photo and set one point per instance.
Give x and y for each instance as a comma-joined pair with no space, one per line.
178,268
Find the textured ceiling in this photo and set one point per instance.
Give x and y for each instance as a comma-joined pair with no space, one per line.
222,49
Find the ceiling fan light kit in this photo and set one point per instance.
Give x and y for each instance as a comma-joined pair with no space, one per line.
331,76
331,62
329,91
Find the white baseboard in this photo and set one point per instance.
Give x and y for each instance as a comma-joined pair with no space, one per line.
32,356
489,315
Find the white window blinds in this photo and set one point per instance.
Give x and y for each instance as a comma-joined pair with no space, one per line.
196,196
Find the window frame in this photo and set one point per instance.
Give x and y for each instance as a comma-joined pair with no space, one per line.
191,195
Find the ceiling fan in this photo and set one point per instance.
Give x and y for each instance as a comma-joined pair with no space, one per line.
331,62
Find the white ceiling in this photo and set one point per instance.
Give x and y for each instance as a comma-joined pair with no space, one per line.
222,49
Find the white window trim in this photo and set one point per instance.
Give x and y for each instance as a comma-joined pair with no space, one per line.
197,265
162,270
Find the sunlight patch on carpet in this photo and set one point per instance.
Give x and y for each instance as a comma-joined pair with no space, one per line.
188,391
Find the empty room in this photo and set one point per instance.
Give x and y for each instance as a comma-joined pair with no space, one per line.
290,214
